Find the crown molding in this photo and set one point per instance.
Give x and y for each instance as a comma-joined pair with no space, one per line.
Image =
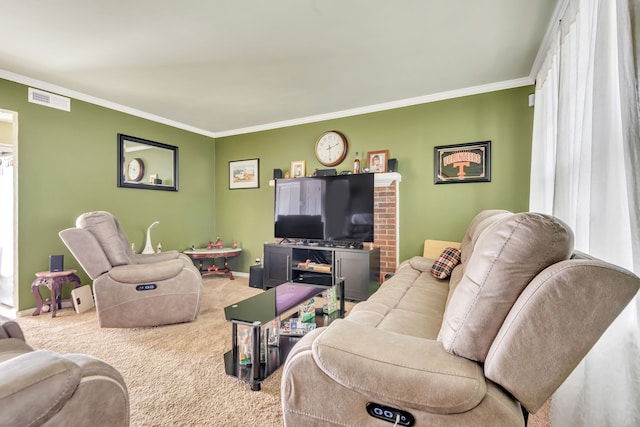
39,84
458,93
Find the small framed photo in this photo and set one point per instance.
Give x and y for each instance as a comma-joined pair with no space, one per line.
462,163
377,160
298,169
244,174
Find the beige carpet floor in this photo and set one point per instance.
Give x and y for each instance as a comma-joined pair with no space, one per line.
175,374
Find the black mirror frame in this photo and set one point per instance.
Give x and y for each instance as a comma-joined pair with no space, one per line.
122,183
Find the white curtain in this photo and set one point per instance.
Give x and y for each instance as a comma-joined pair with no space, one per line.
586,171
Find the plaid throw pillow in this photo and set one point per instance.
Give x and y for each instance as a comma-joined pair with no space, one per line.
445,263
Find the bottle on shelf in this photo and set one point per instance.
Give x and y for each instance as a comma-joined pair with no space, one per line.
356,164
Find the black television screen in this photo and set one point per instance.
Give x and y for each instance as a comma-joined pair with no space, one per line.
335,208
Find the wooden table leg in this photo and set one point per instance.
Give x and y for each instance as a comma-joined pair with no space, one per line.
226,269
56,290
35,288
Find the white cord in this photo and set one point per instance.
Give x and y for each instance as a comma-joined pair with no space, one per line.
397,420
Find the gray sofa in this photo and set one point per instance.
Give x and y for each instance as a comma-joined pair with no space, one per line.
43,388
483,347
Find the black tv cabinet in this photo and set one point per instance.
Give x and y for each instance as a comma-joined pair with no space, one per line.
360,268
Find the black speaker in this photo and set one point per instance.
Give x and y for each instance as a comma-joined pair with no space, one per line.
277,173
326,172
56,263
256,273
392,165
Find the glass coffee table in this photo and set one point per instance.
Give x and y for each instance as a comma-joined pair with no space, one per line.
255,314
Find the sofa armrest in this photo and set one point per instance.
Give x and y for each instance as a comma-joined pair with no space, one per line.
155,257
34,386
410,371
145,273
554,323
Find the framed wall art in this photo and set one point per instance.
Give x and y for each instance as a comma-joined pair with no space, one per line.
244,174
462,163
377,160
298,169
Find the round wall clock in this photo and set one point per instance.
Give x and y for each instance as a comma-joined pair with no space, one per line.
135,169
331,148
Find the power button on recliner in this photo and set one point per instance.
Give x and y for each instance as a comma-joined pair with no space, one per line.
391,415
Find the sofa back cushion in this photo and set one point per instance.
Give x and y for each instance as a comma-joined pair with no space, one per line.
505,257
107,231
476,227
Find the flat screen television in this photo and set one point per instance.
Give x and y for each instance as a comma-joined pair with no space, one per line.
325,208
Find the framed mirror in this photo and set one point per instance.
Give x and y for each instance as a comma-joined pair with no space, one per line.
147,164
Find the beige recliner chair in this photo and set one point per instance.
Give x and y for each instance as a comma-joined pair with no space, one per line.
133,290
43,388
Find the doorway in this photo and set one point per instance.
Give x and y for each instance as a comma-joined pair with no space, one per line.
8,229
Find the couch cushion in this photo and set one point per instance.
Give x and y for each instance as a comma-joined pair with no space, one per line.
13,347
446,262
507,255
411,303
476,227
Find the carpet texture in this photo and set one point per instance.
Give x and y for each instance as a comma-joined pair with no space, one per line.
175,374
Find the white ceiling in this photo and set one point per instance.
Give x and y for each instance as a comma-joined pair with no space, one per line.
223,67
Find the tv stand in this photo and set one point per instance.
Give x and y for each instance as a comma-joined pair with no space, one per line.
360,268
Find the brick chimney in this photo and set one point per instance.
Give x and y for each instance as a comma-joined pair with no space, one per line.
386,218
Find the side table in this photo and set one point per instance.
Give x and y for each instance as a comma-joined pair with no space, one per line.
226,253
53,281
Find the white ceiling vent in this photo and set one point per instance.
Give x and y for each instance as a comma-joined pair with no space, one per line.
41,97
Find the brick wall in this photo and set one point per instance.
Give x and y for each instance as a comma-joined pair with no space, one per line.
385,225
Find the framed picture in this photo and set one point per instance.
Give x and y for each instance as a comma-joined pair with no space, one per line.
462,163
377,160
244,174
298,169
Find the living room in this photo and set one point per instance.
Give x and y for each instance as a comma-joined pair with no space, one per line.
67,165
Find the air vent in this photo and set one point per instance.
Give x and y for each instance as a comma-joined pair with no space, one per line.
47,99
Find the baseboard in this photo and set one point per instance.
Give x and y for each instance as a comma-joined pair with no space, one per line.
7,311
240,274
29,311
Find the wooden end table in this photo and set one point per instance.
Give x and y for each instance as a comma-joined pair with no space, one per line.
226,253
54,281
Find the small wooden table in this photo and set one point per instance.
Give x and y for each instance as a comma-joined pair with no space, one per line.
214,253
54,281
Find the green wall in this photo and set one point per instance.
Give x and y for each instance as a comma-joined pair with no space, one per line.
66,165
410,134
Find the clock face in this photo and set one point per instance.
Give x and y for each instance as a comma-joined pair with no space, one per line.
135,169
331,148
